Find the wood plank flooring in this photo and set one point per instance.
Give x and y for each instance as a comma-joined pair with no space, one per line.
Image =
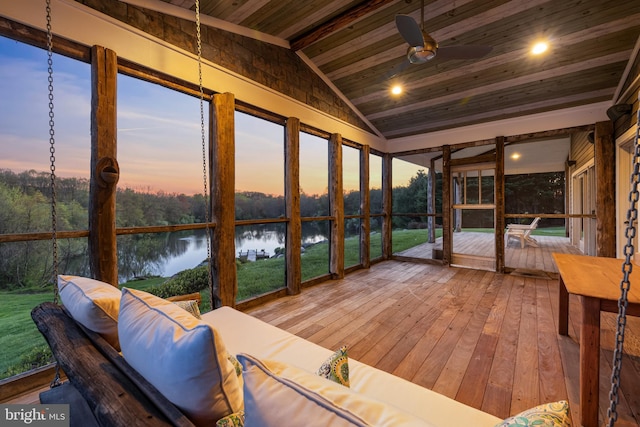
484,339
469,245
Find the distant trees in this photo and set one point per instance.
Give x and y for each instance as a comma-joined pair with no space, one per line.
25,208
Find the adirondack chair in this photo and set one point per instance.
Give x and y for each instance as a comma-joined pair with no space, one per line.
523,233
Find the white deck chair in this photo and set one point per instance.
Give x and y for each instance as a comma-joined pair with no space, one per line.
523,233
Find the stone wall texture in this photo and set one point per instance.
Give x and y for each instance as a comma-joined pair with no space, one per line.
275,67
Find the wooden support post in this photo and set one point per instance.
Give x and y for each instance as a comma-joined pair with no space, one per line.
103,257
336,201
605,163
431,203
292,202
365,224
387,203
222,160
446,205
499,201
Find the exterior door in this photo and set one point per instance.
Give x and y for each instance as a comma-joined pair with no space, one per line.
584,205
473,216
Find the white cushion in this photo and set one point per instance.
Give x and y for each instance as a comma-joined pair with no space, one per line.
183,357
243,333
92,303
276,394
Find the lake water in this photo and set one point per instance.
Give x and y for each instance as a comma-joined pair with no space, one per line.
191,249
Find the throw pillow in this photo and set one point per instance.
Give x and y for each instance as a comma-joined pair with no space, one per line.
191,306
93,304
336,367
183,357
554,414
276,394
234,420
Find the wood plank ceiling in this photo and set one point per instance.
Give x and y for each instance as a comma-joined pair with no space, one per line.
356,45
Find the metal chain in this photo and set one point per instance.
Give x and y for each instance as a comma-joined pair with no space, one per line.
52,158
625,284
204,153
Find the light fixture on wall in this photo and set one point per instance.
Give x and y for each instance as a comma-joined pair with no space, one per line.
590,137
616,111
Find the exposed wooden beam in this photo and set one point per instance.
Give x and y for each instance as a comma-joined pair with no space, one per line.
336,23
365,208
222,171
605,161
336,203
188,4
292,205
103,253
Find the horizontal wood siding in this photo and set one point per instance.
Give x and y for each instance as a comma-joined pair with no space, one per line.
581,149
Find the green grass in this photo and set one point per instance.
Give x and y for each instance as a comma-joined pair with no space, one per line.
19,333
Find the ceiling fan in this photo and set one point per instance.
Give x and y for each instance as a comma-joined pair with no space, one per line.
423,47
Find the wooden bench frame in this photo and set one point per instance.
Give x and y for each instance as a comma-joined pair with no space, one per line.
115,393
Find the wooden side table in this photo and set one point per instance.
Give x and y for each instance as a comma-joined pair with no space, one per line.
596,280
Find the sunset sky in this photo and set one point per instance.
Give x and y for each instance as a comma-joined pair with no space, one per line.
159,134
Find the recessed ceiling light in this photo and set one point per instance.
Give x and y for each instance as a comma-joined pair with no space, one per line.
396,90
515,156
539,47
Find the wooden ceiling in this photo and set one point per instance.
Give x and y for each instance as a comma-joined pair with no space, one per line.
354,44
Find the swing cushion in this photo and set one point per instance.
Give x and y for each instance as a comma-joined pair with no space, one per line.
92,303
278,394
181,356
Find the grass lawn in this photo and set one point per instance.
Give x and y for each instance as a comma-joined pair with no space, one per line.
19,333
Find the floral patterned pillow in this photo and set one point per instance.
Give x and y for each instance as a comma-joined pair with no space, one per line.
554,414
336,367
191,306
234,420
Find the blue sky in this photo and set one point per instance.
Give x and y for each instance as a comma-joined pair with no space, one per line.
159,137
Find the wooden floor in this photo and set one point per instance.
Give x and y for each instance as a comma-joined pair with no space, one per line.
484,339
475,246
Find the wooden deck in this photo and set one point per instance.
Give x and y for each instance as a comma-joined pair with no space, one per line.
472,249
484,339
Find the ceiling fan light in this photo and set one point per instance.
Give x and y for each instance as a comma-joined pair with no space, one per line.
420,54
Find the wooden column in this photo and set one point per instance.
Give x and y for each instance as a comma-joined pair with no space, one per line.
605,163
446,205
336,201
222,160
292,201
567,202
431,203
499,201
365,209
387,204
103,258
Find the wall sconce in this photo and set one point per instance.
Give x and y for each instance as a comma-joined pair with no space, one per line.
616,111
590,137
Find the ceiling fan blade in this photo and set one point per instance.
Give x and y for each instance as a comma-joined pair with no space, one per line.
409,30
396,70
463,52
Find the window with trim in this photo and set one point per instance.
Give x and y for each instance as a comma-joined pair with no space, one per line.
314,205
259,183
26,265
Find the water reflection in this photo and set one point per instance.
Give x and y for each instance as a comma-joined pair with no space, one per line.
165,254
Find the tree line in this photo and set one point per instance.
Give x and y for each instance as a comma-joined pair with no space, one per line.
25,207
